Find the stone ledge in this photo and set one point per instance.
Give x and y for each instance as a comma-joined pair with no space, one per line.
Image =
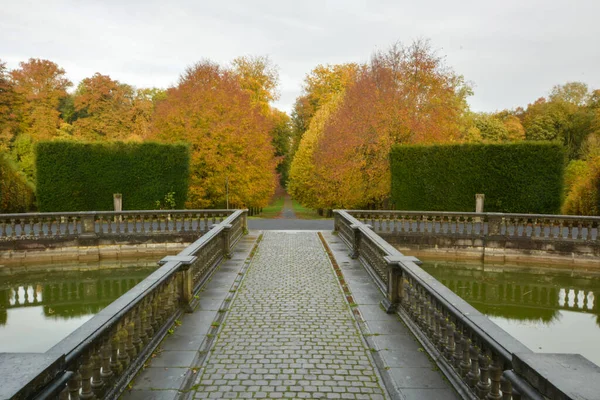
559,376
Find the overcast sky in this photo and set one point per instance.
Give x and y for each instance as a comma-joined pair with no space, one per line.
512,51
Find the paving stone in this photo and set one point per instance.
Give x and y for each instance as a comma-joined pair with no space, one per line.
174,359
289,332
426,394
160,378
149,395
418,378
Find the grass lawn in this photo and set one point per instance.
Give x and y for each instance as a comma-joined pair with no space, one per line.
305,213
272,210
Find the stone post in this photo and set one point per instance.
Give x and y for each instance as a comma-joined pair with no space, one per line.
226,240
186,278
355,241
88,224
395,289
479,199
118,202
118,205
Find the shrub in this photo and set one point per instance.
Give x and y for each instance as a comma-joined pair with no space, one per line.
583,181
16,192
525,177
74,176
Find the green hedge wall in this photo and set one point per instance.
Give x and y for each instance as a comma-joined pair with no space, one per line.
73,176
16,192
525,177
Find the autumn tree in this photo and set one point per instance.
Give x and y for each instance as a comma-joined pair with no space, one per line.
229,137
405,95
281,139
8,122
567,116
103,106
260,77
40,85
320,86
494,127
303,183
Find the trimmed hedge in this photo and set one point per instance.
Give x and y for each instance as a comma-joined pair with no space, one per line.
16,192
74,176
524,177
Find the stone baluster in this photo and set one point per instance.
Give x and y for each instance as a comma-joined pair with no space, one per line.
126,227
458,352
143,223
443,327
483,385
22,226
579,230
2,228
123,356
13,231
473,374
506,386
495,378
450,344
422,308
130,328
431,320
465,362
74,385
156,315
101,382
64,394
85,371
115,365
150,316
436,326
151,219
138,343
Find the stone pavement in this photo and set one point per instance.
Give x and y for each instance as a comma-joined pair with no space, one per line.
290,332
267,224
282,328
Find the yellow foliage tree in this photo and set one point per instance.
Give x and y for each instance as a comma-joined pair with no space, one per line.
302,180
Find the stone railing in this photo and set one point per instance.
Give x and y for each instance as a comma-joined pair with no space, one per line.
551,234
107,223
98,359
479,358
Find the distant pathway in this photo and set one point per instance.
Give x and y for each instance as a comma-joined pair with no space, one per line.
289,332
288,208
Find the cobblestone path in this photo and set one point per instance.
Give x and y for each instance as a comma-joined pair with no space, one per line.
289,332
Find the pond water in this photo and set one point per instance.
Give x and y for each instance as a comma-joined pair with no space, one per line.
40,305
550,309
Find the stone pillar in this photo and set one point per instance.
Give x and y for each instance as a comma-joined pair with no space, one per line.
226,240
355,241
186,278
88,224
479,199
118,202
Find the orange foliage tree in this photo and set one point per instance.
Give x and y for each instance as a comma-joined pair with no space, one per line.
40,85
107,109
405,95
229,137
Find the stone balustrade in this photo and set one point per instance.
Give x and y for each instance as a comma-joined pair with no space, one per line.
479,358
99,359
107,223
552,235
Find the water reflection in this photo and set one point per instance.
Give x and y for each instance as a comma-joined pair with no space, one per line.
536,304
40,305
